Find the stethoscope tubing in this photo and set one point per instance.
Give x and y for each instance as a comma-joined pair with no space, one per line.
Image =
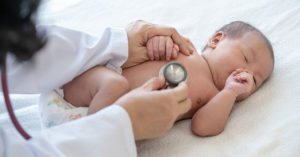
8,103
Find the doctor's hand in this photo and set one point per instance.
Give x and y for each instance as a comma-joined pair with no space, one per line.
152,111
139,32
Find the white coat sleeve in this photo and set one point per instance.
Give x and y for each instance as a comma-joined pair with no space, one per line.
66,55
107,133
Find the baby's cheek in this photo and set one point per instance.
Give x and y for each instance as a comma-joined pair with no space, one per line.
253,88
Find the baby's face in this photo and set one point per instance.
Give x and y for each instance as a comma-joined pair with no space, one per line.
249,52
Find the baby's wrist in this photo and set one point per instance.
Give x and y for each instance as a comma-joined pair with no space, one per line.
230,91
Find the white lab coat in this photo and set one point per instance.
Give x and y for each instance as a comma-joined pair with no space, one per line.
67,54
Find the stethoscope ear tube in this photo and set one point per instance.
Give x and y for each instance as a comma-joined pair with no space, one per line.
8,102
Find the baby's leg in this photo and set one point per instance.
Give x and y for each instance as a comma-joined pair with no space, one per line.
96,88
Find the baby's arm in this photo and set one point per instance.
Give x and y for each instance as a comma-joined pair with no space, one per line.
211,119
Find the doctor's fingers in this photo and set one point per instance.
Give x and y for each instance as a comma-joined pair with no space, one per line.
175,51
177,98
183,106
154,83
191,45
177,94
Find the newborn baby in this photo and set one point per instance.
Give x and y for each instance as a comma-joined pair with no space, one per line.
233,65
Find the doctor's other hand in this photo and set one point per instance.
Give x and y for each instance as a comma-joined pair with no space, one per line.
138,34
153,111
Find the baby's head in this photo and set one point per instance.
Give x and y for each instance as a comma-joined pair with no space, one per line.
239,45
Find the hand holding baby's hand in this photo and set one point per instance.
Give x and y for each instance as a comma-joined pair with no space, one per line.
162,47
240,81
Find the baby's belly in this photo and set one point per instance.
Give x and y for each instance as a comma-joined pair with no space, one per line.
140,74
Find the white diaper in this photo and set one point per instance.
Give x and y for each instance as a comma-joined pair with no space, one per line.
55,110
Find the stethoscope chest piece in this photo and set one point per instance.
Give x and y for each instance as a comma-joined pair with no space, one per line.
174,73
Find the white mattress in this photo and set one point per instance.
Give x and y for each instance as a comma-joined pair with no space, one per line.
266,124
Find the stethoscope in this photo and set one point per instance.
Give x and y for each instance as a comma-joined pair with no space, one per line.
173,72
8,103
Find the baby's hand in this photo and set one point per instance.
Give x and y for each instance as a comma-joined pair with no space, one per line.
162,47
240,81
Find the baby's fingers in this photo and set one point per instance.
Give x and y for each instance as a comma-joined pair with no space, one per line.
243,77
155,45
162,47
240,79
237,71
169,48
150,49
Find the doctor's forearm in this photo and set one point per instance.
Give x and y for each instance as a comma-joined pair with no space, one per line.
211,119
67,54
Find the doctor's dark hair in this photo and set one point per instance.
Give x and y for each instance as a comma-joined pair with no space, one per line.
237,29
18,34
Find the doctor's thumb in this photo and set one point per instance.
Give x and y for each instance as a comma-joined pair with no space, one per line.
154,83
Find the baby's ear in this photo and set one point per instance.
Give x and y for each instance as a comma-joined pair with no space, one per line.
213,42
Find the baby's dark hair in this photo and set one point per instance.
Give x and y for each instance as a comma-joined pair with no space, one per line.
237,29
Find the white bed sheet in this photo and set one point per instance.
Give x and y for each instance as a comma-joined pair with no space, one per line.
266,124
